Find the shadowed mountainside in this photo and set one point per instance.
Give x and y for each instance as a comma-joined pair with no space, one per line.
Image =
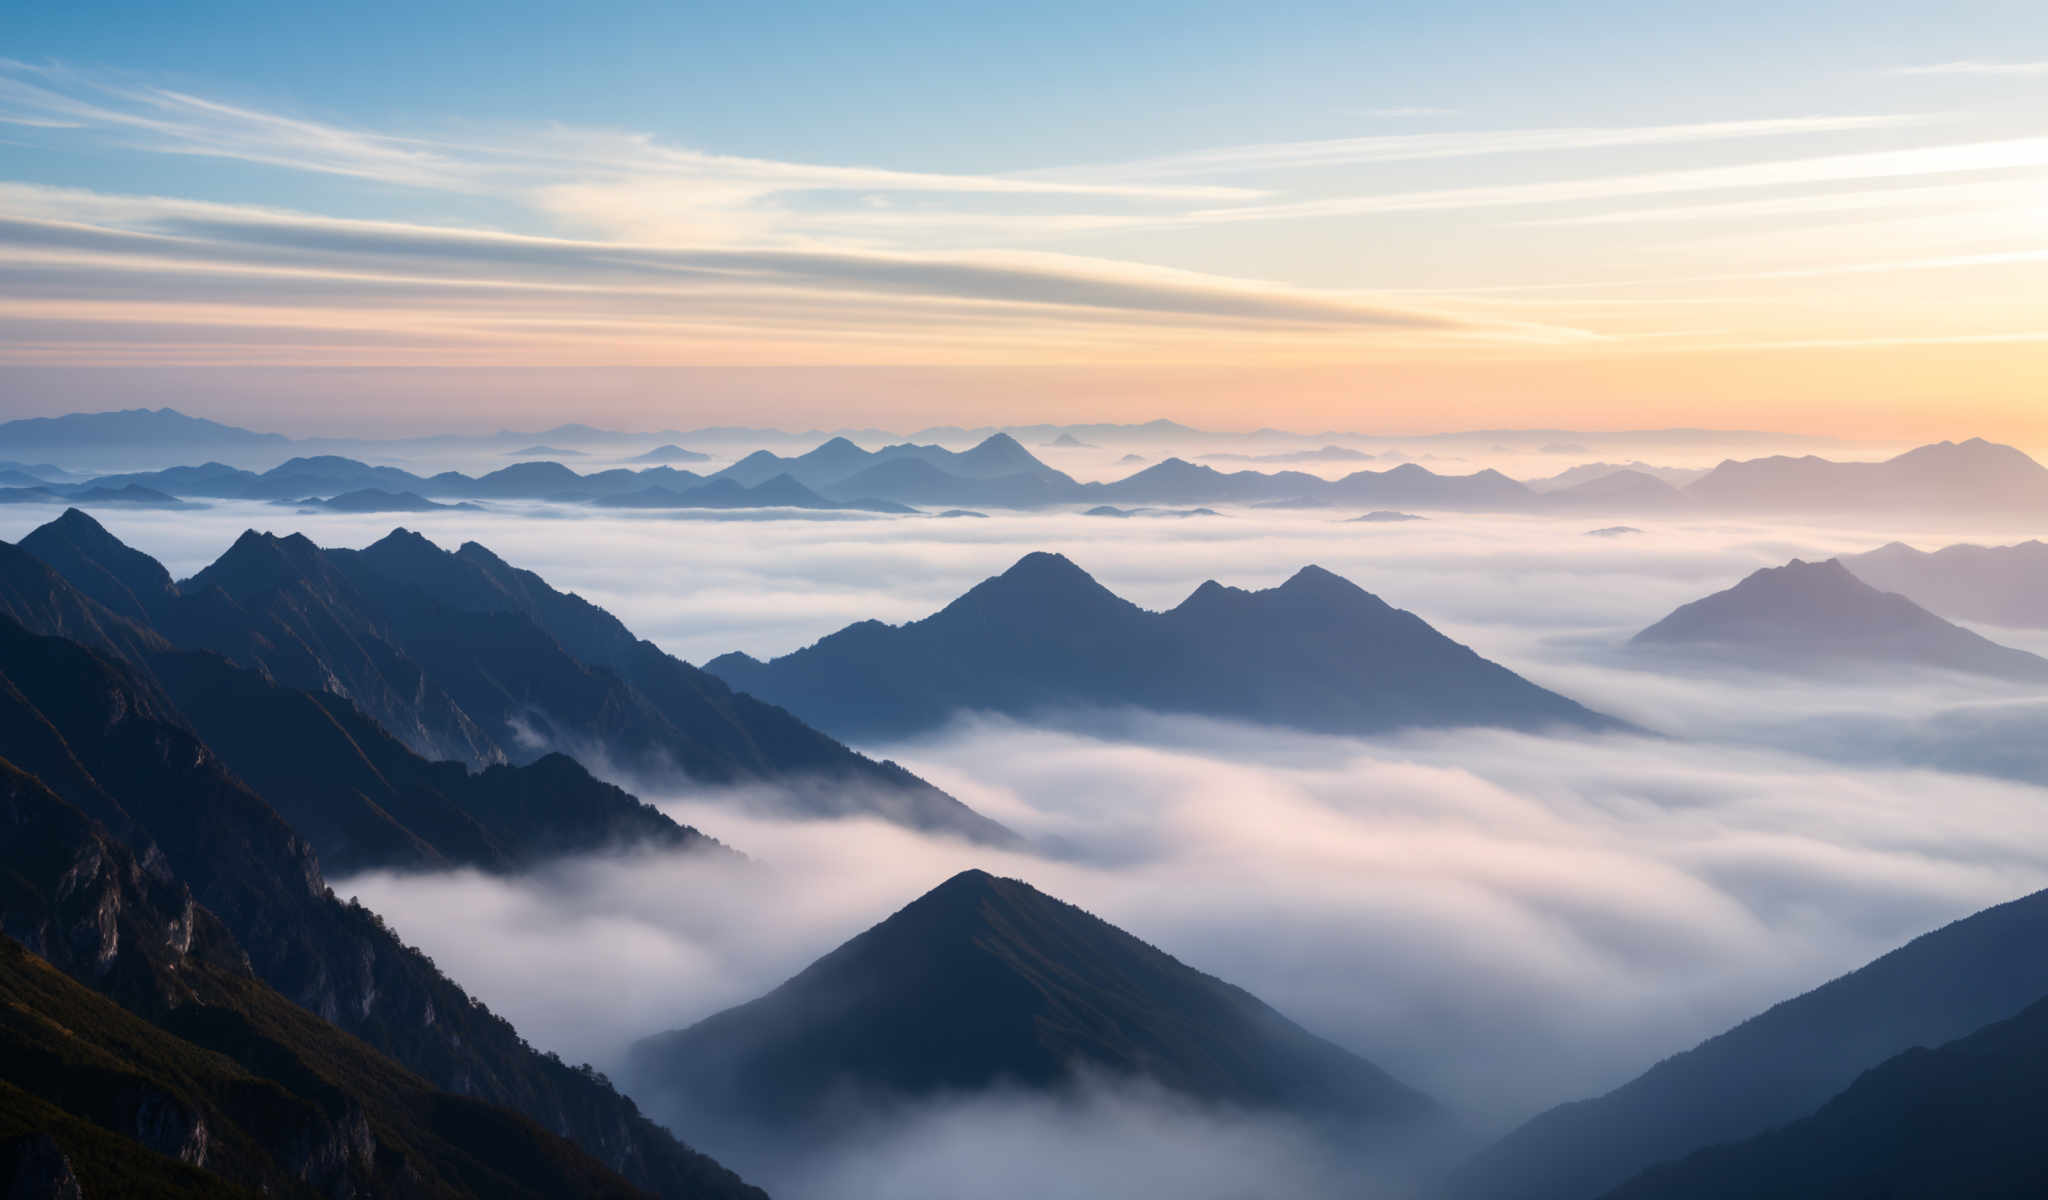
1780,1065
105,739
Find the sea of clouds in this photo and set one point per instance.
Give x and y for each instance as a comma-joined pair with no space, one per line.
1504,921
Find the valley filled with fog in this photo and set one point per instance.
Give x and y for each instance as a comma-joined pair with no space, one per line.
1504,920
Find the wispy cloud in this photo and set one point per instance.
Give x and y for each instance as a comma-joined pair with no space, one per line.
1976,67
2011,154
1472,144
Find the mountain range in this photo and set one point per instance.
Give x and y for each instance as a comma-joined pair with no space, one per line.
1810,614
1315,653
463,657
1785,1064
986,981
1968,478
1998,585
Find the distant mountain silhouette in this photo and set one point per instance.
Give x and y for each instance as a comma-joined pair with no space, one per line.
781,491
103,738
670,453
376,500
1386,516
1975,477
1325,454
128,495
1804,615
1617,491
1781,1065
984,982
1111,510
1677,477
1999,585
1315,653
463,657
174,1055
1962,1119
136,433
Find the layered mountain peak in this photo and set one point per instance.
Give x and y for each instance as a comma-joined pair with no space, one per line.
985,981
259,561
1313,580
124,579
1040,586
1044,637
1806,612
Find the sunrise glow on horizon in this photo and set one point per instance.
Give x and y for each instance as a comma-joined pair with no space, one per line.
1400,220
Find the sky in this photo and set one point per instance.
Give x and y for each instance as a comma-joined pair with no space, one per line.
1822,218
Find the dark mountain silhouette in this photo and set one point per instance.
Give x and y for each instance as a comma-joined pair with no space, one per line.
670,453
519,653
1781,1065
1804,615
155,1062
366,801
104,739
1975,477
1962,1119
1315,653
985,981
1999,585
465,658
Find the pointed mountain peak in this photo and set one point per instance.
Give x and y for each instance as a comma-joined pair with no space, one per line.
1039,589
402,545
481,555
1045,566
74,527
1316,580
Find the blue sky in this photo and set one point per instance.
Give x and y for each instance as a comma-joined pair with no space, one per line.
1432,194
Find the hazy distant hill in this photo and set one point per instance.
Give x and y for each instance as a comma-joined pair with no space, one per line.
1781,1065
1805,615
985,981
1315,653
157,434
1975,477
670,453
1999,585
